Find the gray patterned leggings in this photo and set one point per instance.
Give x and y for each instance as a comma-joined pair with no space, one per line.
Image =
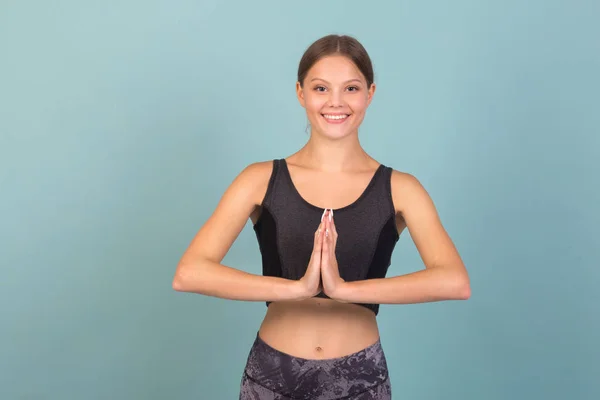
273,375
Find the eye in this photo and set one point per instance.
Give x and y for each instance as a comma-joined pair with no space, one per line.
353,88
319,88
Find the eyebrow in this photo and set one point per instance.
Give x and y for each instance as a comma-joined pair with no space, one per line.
348,81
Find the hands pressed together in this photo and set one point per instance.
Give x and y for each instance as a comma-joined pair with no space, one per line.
322,273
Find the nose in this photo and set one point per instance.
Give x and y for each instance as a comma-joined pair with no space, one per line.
335,98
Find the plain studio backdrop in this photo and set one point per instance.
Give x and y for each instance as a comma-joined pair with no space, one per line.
122,124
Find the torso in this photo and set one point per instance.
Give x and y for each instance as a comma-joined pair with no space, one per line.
320,328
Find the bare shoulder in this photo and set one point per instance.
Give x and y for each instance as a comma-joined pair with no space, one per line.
259,168
254,179
407,190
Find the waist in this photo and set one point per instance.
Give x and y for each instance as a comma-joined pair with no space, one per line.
318,328
275,374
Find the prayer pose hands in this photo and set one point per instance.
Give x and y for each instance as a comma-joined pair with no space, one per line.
322,273
330,274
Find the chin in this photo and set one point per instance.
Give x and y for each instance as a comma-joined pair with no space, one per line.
337,127
337,134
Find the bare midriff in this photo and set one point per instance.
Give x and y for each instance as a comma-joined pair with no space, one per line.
318,328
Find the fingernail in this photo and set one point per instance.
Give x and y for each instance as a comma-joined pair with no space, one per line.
323,215
330,214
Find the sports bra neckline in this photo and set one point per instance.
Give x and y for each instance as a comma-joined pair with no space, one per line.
354,203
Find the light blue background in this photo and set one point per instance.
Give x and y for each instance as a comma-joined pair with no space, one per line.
122,124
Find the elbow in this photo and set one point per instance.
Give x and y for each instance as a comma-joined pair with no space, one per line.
458,286
188,278
464,293
179,283
462,290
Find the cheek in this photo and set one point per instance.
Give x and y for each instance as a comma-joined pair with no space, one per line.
314,103
358,105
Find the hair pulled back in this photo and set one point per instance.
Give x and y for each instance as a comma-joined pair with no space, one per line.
331,45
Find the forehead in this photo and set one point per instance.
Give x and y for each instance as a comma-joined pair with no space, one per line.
335,68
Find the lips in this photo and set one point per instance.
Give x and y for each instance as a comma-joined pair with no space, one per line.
335,118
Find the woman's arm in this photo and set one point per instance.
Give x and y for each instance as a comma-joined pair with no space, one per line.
200,269
444,277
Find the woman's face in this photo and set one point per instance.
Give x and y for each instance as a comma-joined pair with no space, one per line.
335,96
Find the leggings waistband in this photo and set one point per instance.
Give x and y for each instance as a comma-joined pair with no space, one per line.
300,378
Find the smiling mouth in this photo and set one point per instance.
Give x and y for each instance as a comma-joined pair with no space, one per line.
335,118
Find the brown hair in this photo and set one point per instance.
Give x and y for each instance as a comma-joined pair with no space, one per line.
337,45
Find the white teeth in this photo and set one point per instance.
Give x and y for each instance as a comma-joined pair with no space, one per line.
335,116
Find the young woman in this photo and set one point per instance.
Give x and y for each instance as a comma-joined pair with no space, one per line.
327,219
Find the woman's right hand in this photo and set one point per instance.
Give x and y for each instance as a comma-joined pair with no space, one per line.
311,281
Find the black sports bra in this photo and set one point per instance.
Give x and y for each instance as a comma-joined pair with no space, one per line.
367,232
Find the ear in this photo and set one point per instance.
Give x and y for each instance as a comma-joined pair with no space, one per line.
300,94
371,92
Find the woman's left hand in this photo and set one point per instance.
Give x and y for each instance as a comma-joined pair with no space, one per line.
330,274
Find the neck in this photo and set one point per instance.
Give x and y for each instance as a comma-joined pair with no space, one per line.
330,155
